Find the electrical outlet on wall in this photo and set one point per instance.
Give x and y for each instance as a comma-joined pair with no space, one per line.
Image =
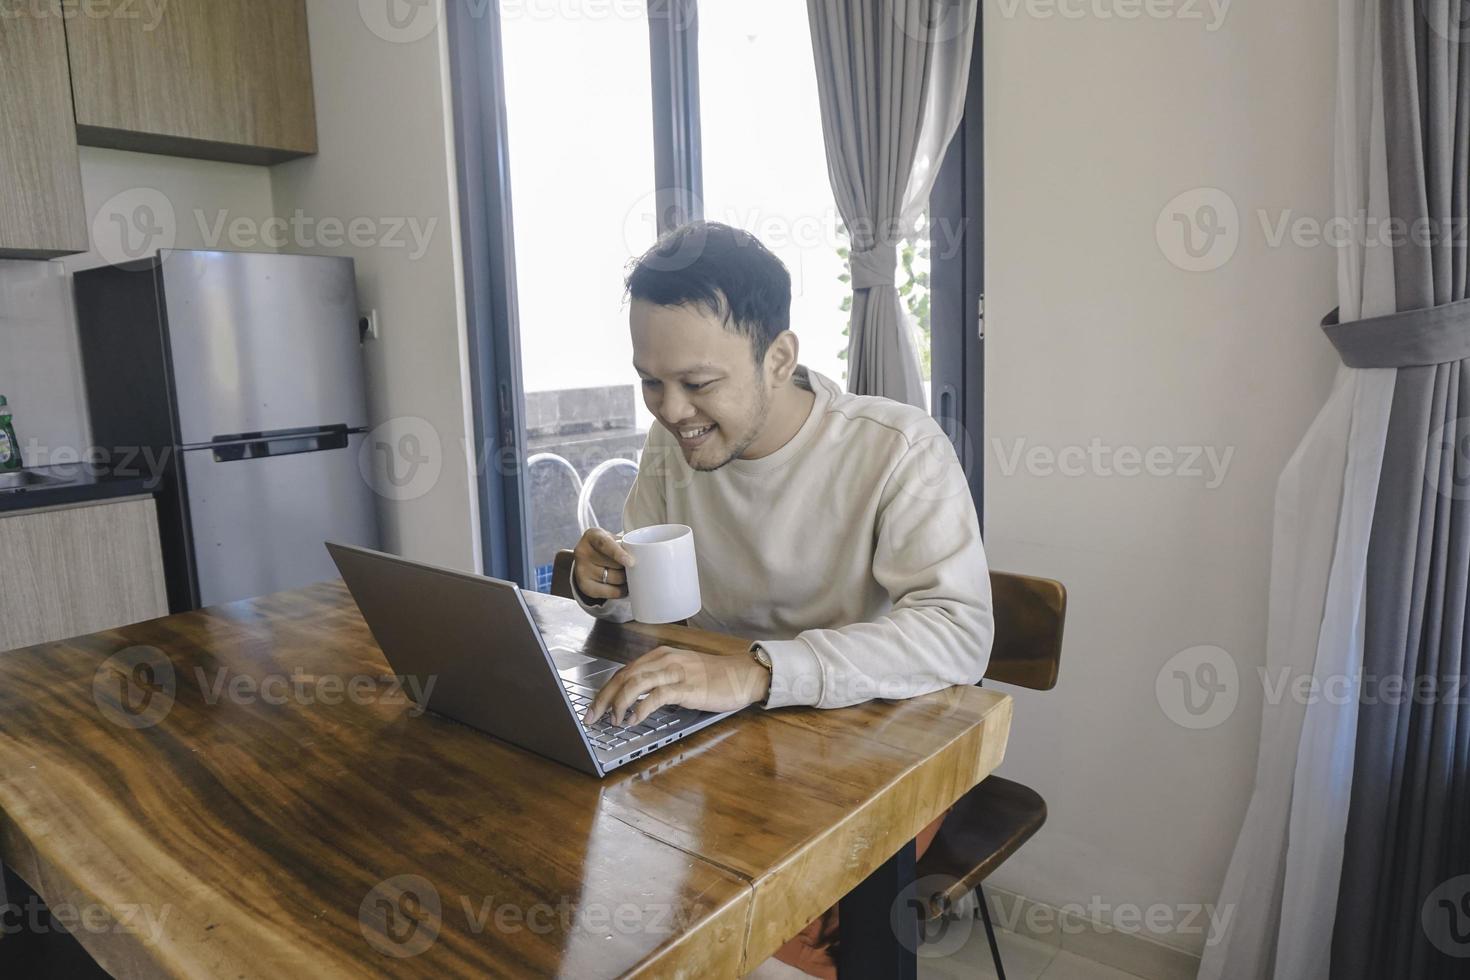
367,326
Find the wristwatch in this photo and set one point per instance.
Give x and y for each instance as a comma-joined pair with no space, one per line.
764,659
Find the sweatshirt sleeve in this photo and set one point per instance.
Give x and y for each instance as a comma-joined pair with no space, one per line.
929,557
645,505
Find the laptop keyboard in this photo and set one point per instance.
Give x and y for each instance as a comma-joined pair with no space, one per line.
606,735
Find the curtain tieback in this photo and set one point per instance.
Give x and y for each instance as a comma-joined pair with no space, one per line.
1436,335
873,266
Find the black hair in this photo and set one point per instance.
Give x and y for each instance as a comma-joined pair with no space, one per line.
723,270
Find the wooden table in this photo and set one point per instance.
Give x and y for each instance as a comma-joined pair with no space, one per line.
278,808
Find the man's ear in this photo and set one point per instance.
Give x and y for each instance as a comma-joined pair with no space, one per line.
782,357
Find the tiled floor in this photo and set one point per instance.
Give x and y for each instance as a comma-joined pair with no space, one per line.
1024,959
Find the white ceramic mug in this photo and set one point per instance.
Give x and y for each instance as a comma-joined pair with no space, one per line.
664,580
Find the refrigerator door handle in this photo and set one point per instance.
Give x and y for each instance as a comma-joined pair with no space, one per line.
284,442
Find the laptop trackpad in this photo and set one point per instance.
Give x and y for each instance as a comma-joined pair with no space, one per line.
575,666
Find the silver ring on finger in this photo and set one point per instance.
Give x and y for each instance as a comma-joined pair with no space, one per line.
604,575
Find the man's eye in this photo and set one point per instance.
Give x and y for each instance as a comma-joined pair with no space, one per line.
697,385
650,383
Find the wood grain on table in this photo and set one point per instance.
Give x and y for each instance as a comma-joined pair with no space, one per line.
278,806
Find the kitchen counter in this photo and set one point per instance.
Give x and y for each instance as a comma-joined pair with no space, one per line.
76,483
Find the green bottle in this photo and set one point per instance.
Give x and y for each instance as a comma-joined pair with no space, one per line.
9,445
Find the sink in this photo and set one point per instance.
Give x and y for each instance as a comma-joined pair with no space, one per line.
27,480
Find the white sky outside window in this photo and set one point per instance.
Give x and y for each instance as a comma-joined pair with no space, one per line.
578,104
765,167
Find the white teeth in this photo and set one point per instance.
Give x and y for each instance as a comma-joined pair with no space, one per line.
694,433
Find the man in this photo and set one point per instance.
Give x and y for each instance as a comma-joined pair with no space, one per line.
834,531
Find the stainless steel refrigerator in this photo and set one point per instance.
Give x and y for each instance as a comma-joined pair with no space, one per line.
236,380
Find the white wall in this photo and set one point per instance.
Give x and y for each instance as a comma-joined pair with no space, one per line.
1093,125
380,190
136,203
384,163
40,373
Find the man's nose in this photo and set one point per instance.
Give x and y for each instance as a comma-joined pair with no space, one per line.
675,408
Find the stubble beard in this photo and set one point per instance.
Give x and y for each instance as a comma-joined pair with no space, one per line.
752,432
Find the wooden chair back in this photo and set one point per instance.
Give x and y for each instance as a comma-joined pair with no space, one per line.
1029,616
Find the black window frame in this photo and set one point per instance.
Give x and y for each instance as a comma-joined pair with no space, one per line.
957,284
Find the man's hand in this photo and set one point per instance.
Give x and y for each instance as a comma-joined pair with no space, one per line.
670,676
599,566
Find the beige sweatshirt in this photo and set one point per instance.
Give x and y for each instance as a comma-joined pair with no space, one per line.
852,554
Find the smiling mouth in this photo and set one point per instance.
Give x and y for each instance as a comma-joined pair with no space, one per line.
691,436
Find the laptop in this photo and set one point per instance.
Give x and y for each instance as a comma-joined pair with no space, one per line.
492,669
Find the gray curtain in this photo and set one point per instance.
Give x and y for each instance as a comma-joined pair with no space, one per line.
1401,911
879,62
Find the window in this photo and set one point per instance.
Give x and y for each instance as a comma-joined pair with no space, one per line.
589,175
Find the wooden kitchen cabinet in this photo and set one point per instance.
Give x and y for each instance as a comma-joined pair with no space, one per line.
214,79
79,568
41,209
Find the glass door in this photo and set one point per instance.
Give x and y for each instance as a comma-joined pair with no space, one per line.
581,155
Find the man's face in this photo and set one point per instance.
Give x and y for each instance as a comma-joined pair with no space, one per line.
700,381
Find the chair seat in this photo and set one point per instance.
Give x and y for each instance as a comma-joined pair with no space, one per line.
986,826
